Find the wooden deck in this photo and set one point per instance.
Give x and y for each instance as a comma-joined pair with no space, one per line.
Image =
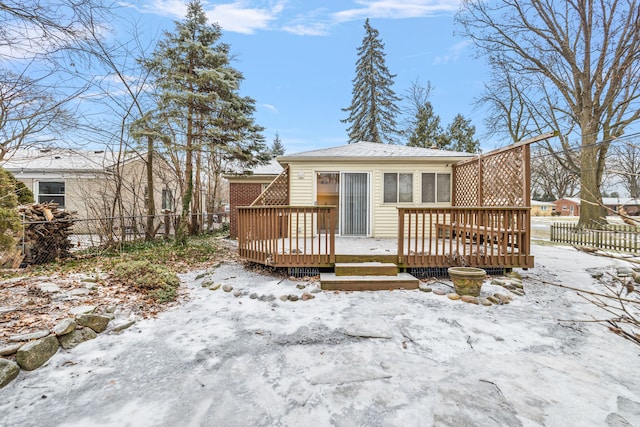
303,236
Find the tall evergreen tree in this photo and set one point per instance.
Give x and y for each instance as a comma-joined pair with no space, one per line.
426,130
277,149
460,135
198,101
373,109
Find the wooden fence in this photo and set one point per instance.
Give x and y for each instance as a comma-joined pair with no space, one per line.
618,237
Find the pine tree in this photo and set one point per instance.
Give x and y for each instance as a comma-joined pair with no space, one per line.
277,149
373,109
426,131
460,135
198,102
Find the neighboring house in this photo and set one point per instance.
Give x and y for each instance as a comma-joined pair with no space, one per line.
85,181
246,186
368,182
631,206
568,206
542,208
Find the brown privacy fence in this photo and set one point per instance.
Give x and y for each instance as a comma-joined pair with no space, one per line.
477,237
287,236
617,237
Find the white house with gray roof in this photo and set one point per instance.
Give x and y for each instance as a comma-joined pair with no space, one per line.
369,181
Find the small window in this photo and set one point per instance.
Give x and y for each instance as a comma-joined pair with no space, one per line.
167,200
398,187
436,187
51,192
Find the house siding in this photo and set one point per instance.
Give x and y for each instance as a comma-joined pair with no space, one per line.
384,216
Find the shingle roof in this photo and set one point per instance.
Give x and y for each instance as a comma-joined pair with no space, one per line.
60,159
365,149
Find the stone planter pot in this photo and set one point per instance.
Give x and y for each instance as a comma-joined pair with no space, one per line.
467,280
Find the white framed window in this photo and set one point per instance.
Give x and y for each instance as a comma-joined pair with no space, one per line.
436,187
167,200
51,191
398,188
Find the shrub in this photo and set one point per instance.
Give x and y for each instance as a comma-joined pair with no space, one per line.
155,280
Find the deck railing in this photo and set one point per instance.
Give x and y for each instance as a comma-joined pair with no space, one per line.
287,236
461,236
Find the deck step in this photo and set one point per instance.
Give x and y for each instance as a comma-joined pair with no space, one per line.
331,282
366,269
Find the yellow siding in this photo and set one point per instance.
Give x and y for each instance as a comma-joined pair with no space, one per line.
384,216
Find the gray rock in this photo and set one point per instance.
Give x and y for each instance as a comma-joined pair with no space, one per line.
301,286
624,271
499,282
9,370
284,297
597,274
64,327
76,337
82,309
484,301
215,287
271,298
292,297
79,292
470,299
34,354
206,283
10,349
227,288
316,290
494,300
636,277
122,326
502,297
424,288
94,321
237,294
48,287
254,296
28,337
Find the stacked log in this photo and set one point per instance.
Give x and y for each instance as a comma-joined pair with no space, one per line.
46,232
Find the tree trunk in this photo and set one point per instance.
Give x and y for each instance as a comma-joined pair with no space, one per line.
149,232
592,211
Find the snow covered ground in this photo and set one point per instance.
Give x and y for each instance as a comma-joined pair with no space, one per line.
401,358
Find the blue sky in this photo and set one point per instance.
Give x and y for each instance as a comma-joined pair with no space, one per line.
298,58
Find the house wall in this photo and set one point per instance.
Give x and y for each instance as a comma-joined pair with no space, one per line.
542,210
384,216
567,208
91,194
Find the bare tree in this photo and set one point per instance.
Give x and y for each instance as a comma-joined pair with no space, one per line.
549,178
580,63
624,164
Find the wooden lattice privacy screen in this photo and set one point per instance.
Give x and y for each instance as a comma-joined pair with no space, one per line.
498,178
277,193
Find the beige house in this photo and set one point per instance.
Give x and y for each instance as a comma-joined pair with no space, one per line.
542,208
85,181
368,182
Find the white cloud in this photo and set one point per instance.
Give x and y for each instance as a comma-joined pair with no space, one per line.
240,16
307,29
397,9
270,108
453,54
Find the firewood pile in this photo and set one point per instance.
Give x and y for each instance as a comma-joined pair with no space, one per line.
46,232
